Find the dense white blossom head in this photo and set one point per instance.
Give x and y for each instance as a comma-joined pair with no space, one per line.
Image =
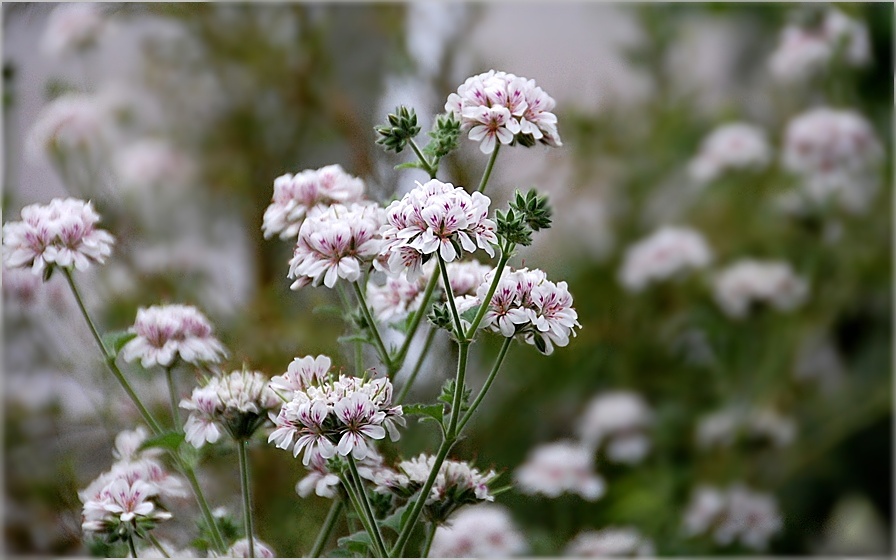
529,306
667,253
336,242
72,121
736,514
835,152
725,427
617,422
434,217
805,51
481,531
166,333
238,404
240,549
557,468
72,27
296,195
748,282
731,147
611,542
501,108
61,233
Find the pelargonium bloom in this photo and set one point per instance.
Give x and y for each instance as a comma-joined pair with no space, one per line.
724,427
480,531
121,502
302,373
295,196
337,416
618,422
611,542
61,233
435,217
733,146
498,107
528,305
72,27
334,243
556,468
238,403
240,549
168,332
667,253
324,482
733,514
749,281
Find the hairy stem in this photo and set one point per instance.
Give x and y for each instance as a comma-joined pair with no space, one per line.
488,168
427,544
365,503
131,546
430,336
488,383
172,395
464,349
203,504
427,166
247,495
362,515
155,542
362,301
327,529
458,327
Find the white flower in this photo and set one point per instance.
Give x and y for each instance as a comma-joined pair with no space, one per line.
334,243
127,445
750,281
323,482
61,233
119,501
296,195
556,468
397,298
457,482
723,427
239,403
171,550
152,163
72,121
528,305
500,107
733,146
240,549
435,217
806,51
480,531
610,542
72,27
734,514
302,373
618,421
168,332
333,416
835,152
667,253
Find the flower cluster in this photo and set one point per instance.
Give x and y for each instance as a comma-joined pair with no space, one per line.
240,549
334,242
804,51
556,468
667,253
71,121
239,403
296,195
482,531
126,496
61,233
501,107
619,420
834,152
734,146
456,484
434,216
612,542
734,514
168,332
723,428
334,415
72,27
750,281
528,305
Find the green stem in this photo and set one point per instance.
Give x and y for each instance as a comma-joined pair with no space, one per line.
427,544
203,504
109,359
488,168
362,514
131,545
172,394
488,383
458,327
499,271
427,166
417,508
398,359
327,529
463,351
247,496
430,336
155,542
365,502
362,301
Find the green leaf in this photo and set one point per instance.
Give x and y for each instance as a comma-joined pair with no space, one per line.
357,542
169,440
434,411
397,520
352,338
114,341
470,313
409,165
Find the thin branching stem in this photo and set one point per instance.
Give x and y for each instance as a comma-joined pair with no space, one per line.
458,327
247,494
327,528
488,168
377,339
488,383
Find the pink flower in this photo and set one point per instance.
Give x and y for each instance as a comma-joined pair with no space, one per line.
361,418
167,332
